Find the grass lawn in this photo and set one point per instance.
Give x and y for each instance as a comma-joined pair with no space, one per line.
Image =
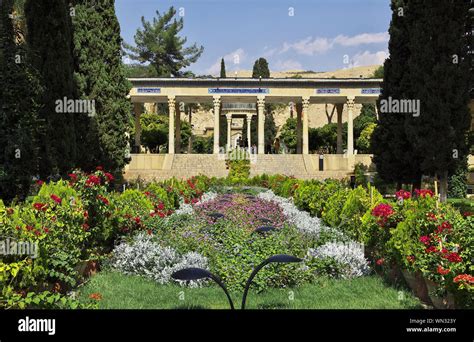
133,292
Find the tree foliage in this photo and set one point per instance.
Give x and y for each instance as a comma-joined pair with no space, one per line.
97,39
18,112
50,46
159,44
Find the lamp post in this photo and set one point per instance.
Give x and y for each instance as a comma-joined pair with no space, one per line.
264,229
194,273
279,258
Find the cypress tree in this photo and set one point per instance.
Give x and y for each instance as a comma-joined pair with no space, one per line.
100,77
50,43
223,73
394,155
18,120
439,77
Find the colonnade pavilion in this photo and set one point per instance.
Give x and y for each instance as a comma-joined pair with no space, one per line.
245,98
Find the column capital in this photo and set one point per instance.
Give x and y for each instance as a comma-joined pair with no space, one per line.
261,101
216,100
249,116
350,102
228,116
172,101
305,102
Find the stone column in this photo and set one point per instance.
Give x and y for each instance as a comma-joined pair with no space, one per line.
339,108
171,131
299,128
249,132
304,115
137,109
229,130
217,108
178,128
350,125
261,124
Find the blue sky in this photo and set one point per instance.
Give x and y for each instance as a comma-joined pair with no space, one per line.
318,35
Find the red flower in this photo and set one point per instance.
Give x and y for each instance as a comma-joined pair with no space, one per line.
160,206
96,296
85,226
425,240
431,249
37,233
39,182
73,177
431,216
10,211
29,228
149,232
380,261
109,176
46,230
56,199
99,168
86,214
92,180
453,257
161,214
411,258
424,192
103,199
443,271
383,210
467,278
467,213
444,226
39,206
137,219
403,194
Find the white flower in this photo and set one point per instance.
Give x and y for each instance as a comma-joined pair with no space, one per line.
146,257
349,255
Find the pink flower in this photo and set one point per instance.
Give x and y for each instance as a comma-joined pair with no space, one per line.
380,261
73,177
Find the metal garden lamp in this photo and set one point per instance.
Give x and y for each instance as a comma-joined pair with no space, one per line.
264,229
195,273
279,258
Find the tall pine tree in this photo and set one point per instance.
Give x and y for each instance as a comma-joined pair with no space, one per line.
18,121
100,77
50,43
394,155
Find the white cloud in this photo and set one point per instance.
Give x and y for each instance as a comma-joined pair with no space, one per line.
232,61
364,38
309,46
368,58
288,64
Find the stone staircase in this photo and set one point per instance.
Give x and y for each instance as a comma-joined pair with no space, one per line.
296,165
183,166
